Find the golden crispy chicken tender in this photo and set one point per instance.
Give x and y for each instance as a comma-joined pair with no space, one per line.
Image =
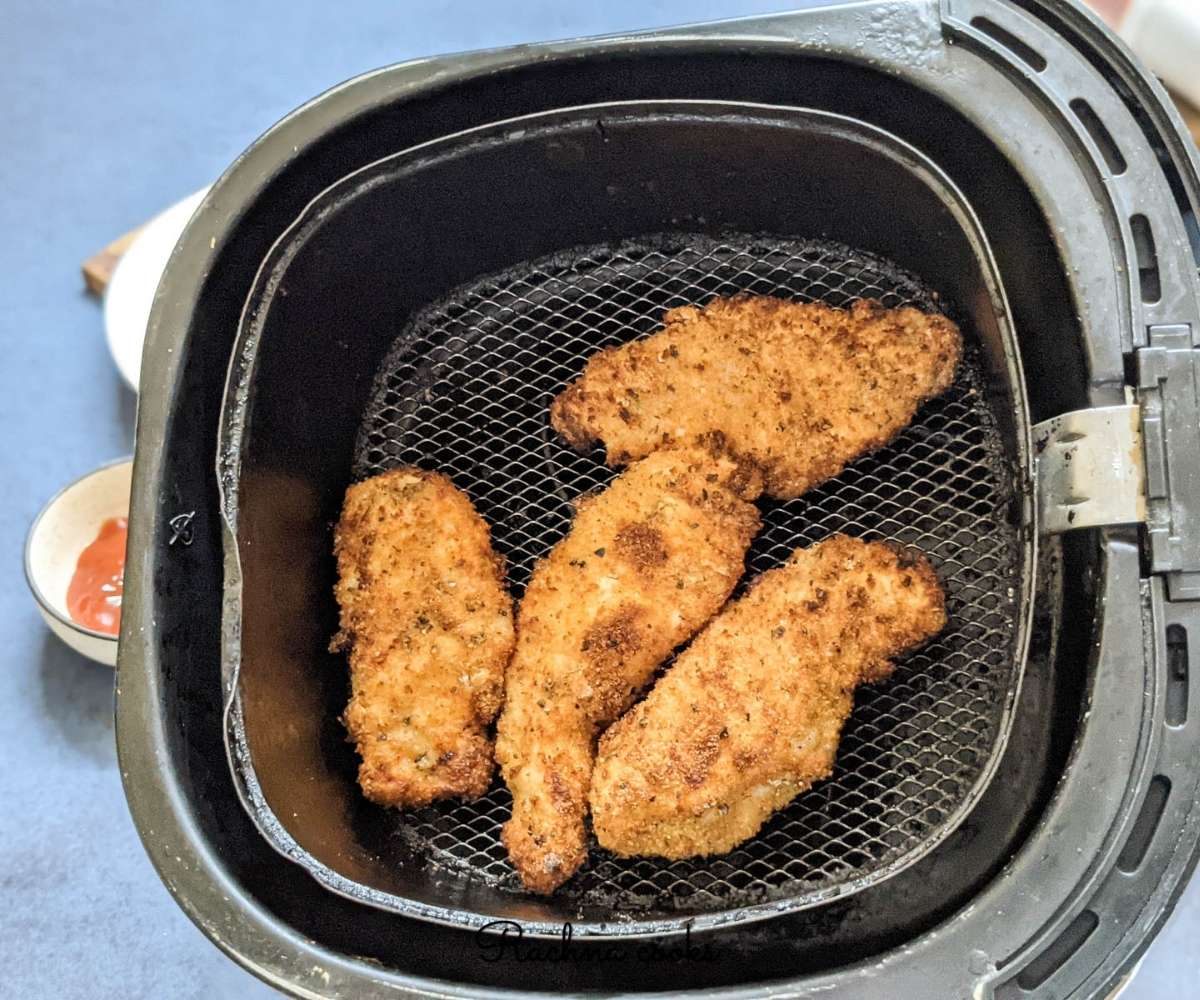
750,714
428,623
802,389
646,564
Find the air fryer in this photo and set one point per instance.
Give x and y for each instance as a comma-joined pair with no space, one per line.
1010,166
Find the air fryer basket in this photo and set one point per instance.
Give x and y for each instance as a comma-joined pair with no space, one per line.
1087,187
465,389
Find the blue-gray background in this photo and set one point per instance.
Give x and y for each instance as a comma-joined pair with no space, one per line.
108,113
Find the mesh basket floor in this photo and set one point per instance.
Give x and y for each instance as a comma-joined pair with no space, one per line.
466,390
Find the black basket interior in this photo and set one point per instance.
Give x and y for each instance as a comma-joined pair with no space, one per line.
400,319
466,390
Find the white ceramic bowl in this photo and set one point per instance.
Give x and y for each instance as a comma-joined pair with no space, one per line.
66,526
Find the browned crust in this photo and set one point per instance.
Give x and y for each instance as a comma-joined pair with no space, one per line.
646,564
642,545
427,623
567,415
750,714
798,389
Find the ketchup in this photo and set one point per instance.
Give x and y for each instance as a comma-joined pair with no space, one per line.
94,595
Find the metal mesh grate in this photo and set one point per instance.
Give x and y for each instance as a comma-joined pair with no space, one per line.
466,390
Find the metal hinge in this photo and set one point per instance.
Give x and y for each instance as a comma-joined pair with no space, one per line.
1136,463
1090,469
1169,392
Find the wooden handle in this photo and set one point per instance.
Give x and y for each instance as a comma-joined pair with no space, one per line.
98,268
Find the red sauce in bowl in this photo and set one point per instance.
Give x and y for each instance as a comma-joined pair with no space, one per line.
94,595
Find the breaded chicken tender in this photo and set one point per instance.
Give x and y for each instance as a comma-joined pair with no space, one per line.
750,714
801,389
646,564
428,624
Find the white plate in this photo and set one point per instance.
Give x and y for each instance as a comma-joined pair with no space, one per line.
135,279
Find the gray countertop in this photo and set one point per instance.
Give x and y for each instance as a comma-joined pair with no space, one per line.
108,113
